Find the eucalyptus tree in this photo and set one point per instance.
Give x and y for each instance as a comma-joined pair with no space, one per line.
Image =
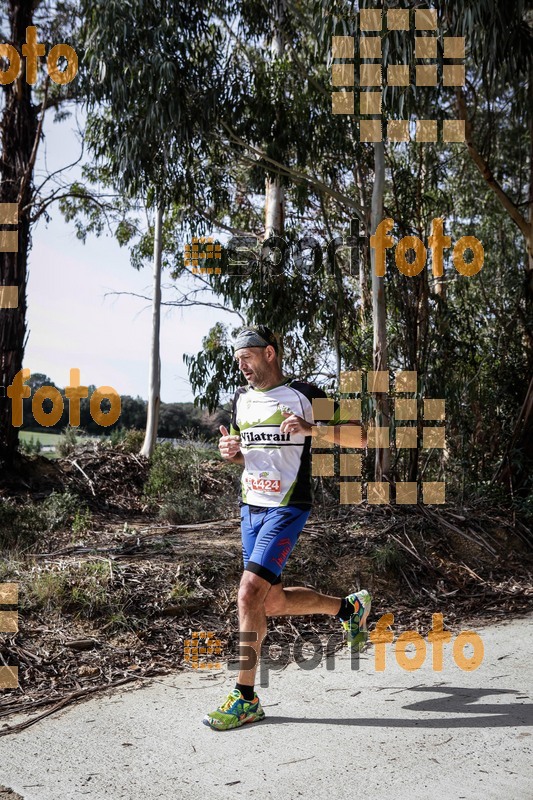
277,121
499,37
152,74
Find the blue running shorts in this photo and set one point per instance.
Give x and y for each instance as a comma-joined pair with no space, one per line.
269,536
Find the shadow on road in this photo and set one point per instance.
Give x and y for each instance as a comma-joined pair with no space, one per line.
456,701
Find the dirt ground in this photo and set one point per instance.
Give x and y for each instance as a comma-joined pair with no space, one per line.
117,602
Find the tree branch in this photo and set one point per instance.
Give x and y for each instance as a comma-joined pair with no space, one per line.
293,173
486,172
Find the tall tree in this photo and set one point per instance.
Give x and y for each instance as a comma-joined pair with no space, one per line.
152,75
24,100
500,38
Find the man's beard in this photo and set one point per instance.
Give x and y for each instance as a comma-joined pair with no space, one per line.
256,378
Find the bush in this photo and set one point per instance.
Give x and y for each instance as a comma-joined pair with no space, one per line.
171,466
388,558
59,509
67,444
175,482
182,506
20,527
83,589
132,440
82,521
30,447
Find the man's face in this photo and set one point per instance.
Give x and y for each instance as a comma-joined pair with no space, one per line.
253,364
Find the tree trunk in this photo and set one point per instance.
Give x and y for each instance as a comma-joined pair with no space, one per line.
18,130
379,312
154,398
274,191
274,208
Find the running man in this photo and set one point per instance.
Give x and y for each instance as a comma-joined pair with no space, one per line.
270,435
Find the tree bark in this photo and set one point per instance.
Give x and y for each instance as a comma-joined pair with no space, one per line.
18,131
274,191
274,208
379,313
154,398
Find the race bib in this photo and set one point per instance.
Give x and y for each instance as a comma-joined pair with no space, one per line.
265,481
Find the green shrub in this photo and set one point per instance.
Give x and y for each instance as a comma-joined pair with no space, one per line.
388,558
116,436
60,509
133,440
20,526
82,520
174,484
30,446
83,590
67,444
171,466
183,506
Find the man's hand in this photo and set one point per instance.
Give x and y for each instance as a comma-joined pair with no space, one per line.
229,446
295,424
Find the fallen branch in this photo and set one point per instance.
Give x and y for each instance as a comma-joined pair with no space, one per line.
65,701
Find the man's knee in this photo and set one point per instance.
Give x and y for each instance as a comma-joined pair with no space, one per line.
252,591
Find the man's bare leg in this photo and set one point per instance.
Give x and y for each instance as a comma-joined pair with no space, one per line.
252,620
259,599
294,600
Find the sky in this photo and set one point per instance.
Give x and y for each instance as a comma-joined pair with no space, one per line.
71,321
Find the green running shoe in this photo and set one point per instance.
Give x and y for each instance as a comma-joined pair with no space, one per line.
355,627
234,712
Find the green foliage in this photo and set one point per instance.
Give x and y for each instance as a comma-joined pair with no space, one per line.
178,483
181,505
83,590
30,446
20,526
68,443
60,508
132,441
82,521
388,558
171,466
147,135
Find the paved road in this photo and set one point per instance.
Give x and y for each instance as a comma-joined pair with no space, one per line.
341,733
